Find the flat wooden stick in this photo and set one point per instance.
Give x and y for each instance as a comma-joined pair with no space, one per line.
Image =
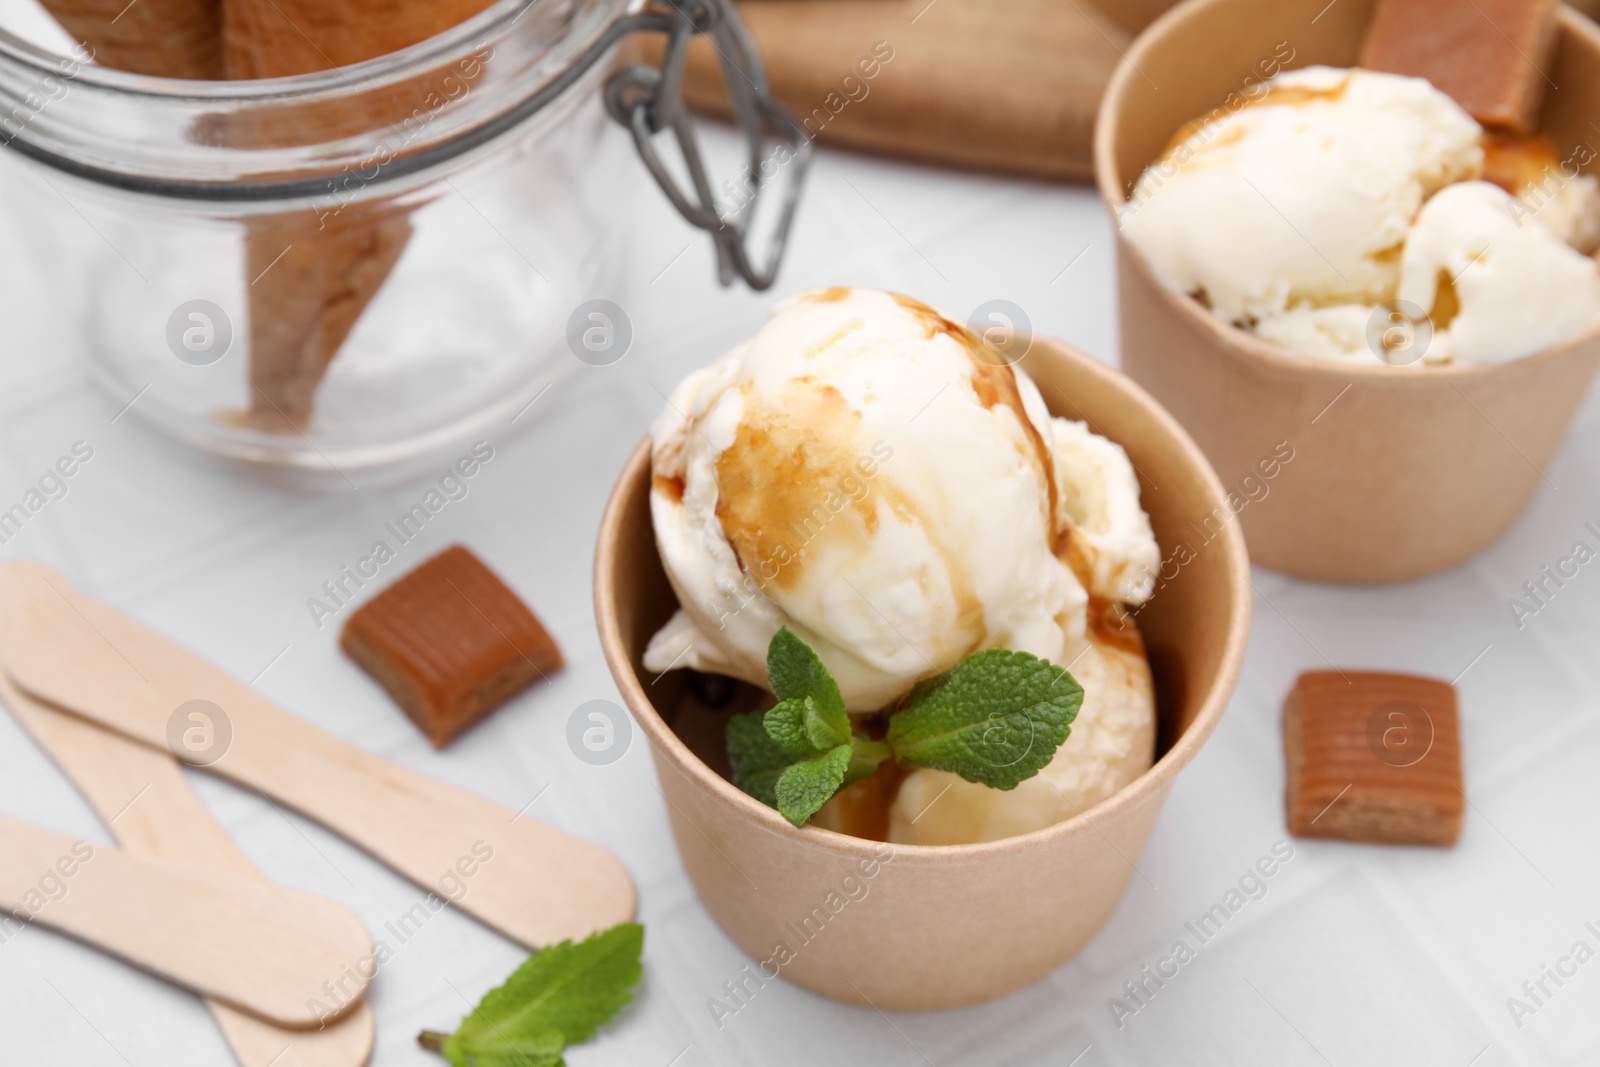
535,884
142,797
257,946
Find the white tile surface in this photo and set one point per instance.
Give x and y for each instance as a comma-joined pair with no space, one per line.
1354,955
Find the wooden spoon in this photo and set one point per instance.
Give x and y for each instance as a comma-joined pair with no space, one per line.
535,884
257,946
142,797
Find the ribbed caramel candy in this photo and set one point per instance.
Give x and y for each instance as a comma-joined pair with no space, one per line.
1373,757
450,642
1490,56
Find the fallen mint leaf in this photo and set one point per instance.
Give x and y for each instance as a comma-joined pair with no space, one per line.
560,996
536,1050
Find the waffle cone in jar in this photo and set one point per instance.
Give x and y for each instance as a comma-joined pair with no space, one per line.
311,273
312,278
278,38
166,38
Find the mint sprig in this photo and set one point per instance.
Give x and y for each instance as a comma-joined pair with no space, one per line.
996,718
798,753
560,996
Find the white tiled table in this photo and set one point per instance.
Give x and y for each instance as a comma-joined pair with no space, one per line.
1353,955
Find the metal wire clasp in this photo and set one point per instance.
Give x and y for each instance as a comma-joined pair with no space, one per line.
647,100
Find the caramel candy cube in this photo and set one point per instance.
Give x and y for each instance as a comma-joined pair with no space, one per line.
1373,757
450,642
1490,56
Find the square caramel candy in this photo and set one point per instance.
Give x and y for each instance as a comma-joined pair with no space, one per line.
450,642
1490,56
1373,757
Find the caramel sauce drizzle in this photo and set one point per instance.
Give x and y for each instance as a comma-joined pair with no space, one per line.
995,383
1276,96
795,447
669,485
1514,162
1110,624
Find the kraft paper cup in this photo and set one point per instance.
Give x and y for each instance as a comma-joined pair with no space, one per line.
903,927
1397,471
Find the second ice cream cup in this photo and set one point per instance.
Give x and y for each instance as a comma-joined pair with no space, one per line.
906,927
1396,471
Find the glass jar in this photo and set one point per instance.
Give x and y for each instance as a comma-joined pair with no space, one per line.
363,266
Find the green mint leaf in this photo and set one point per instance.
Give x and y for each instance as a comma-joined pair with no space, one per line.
559,997
537,1050
824,728
807,785
786,724
805,729
996,718
794,671
757,759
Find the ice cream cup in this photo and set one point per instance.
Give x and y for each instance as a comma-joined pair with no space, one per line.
1397,471
906,927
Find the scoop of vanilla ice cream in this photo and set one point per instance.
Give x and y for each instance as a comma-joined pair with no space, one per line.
829,483
868,473
1303,196
1338,331
1498,283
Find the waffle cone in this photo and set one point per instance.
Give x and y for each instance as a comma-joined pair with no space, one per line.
167,38
312,274
267,39
310,278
